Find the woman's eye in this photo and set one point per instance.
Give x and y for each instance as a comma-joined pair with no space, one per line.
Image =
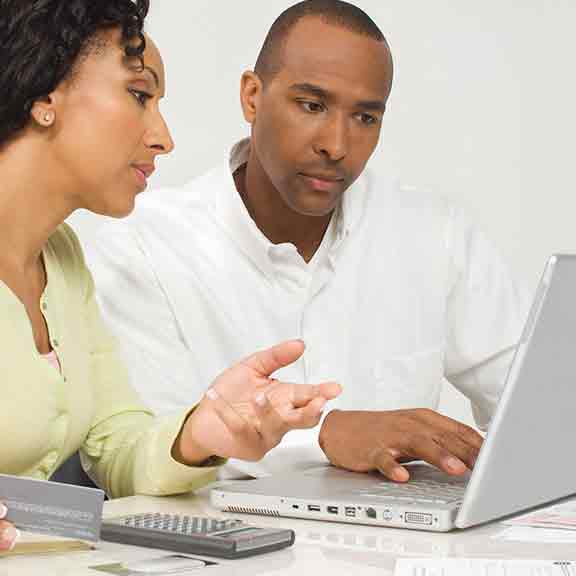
312,107
141,97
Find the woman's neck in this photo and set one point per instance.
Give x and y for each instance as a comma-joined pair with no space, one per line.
33,203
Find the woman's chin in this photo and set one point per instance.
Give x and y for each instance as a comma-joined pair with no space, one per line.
115,209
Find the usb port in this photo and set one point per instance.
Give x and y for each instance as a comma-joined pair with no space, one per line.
350,511
332,509
313,508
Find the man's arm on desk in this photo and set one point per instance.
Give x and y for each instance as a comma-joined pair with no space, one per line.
485,311
362,441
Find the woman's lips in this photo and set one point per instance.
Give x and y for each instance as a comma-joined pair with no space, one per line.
140,177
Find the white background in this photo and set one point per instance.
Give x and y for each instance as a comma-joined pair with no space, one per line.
482,109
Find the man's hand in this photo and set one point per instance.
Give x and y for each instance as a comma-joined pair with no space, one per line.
245,413
364,441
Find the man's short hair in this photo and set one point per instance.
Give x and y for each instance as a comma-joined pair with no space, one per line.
335,12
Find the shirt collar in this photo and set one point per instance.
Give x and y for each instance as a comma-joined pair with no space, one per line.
233,216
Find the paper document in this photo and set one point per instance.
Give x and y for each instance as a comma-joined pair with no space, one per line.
542,535
30,543
481,567
557,516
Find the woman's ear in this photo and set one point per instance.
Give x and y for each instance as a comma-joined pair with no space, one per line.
44,112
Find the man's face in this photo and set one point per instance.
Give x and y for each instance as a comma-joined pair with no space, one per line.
316,123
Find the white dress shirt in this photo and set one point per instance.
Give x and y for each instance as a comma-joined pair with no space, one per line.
403,293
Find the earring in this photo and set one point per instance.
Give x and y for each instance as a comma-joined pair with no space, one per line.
48,118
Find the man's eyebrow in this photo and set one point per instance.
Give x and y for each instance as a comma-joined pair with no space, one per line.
311,89
375,105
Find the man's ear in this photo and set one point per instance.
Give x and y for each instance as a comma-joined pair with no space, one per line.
250,94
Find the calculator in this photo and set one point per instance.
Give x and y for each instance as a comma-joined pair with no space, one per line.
223,538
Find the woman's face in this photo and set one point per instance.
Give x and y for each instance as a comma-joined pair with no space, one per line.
108,128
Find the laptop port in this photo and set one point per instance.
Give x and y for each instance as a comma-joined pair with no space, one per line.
313,508
350,511
421,518
332,509
371,513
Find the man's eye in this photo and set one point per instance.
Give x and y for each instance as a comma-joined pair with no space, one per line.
312,107
141,97
367,118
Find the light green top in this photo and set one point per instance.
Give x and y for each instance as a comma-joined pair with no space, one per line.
45,416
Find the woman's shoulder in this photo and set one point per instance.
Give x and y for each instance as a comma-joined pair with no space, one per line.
66,246
65,250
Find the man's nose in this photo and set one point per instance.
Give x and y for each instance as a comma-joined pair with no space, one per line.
332,141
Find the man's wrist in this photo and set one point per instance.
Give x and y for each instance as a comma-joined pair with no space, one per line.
326,427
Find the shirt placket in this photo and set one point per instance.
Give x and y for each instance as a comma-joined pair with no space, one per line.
59,426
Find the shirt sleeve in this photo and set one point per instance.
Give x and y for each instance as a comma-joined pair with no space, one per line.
135,307
486,310
128,450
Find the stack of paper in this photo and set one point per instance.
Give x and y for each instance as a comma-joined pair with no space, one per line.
481,567
561,516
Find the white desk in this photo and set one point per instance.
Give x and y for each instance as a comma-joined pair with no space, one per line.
320,548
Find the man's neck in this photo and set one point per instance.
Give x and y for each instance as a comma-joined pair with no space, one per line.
274,218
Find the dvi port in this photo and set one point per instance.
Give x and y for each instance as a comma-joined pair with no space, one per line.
422,518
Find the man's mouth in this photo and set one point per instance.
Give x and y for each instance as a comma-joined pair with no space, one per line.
322,182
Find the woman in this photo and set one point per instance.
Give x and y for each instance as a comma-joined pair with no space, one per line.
80,127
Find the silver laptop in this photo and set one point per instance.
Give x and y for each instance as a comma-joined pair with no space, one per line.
526,459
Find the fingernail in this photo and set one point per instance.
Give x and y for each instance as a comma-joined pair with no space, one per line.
455,464
3,511
400,474
11,535
211,394
261,399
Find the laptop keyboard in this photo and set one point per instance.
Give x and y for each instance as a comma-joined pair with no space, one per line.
419,489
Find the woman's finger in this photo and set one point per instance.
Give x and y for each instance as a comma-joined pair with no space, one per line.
308,416
272,426
268,361
300,395
8,535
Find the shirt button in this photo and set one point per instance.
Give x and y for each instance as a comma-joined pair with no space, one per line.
44,306
55,343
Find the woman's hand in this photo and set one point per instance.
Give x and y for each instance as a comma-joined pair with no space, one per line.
245,413
8,534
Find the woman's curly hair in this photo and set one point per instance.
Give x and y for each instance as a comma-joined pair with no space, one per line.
41,40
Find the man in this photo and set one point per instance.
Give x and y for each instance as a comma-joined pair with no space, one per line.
392,291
